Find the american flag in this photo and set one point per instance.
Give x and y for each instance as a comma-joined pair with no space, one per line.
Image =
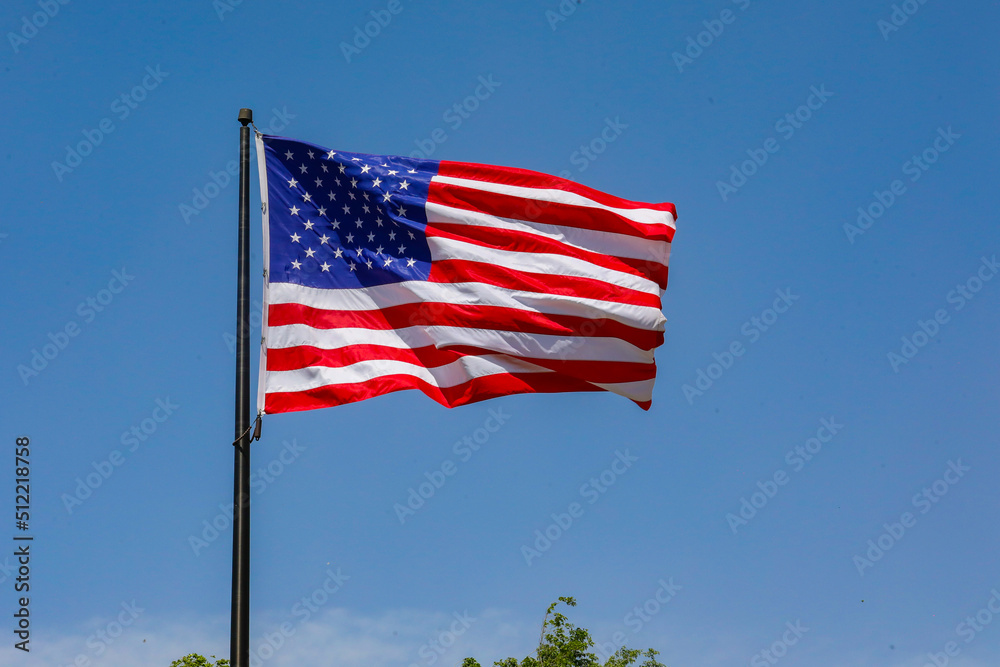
465,281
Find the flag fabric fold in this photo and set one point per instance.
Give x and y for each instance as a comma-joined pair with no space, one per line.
464,281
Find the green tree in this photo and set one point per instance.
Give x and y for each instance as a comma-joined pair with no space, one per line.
195,660
562,644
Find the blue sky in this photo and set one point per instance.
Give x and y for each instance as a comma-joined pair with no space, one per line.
864,100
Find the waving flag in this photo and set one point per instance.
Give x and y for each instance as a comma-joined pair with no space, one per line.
465,281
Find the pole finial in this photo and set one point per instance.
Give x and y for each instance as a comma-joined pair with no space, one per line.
246,116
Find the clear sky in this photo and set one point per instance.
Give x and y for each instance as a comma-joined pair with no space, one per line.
749,499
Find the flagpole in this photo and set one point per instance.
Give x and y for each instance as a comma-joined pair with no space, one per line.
239,638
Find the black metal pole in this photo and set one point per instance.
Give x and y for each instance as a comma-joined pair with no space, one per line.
239,642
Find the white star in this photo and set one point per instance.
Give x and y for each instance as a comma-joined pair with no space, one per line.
303,169
337,181
392,236
322,211
309,224
337,253
324,238
307,197
342,168
365,169
325,266
401,211
378,251
385,165
332,195
359,251
350,238
365,194
402,249
387,196
354,182
411,234
351,195
295,238
323,167
347,209
369,263
318,181
411,171
358,222
371,237
404,185
336,224
292,183
295,210
378,220
329,156
388,261
310,154
393,172
364,207
356,159
352,266
288,155
376,182
410,262
310,252
296,264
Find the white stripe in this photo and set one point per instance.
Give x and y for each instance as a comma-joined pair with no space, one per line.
514,343
537,263
451,375
606,243
459,371
419,291
647,216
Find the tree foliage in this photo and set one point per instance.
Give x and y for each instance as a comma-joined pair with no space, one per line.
562,644
195,660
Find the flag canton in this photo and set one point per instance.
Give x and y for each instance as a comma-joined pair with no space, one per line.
345,220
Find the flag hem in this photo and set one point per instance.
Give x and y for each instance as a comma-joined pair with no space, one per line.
266,254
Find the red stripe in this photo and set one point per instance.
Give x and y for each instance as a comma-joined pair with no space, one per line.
603,372
549,213
459,271
467,316
473,391
534,179
517,241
